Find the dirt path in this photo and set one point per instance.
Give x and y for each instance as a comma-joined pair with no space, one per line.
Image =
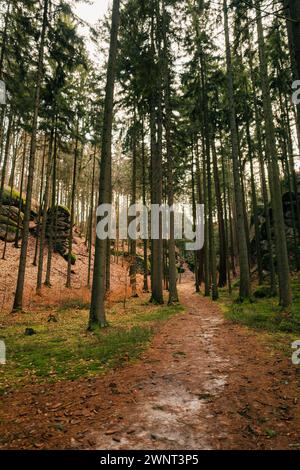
181,371
203,384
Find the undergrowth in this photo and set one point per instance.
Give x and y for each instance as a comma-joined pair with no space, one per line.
65,350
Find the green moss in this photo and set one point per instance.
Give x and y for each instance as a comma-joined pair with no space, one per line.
161,314
265,313
9,228
73,258
59,209
7,221
13,197
75,305
66,351
65,209
263,292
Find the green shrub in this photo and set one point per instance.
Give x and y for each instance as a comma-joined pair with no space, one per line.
73,258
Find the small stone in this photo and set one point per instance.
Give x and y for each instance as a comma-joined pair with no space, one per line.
30,332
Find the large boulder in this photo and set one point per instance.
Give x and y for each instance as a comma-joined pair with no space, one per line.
12,197
289,203
61,218
11,218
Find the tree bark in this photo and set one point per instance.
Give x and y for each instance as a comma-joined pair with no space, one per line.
97,310
173,294
245,290
70,241
272,157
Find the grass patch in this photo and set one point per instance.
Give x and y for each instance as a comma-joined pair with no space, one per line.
74,304
66,350
264,313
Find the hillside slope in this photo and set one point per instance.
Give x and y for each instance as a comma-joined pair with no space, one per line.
58,294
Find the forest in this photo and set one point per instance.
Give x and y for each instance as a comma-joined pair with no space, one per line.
126,342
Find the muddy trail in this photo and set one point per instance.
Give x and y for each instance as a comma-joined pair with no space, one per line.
203,383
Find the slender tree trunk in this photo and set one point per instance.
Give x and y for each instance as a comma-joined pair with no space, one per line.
4,38
97,311
292,12
226,221
221,223
18,301
241,232
14,156
212,253
156,174
207,275
6,155
263,175
52,224
145,241
293,175
254,207
173,294
2,55
200,253
12,176
45,206
70,241
40,205
91,219
132,267
271,151
21,190
196,271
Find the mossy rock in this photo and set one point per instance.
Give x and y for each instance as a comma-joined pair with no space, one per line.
9,233
60,209
7,221
60,248
263,292
73,258
12,213
266,259
12,197
64,209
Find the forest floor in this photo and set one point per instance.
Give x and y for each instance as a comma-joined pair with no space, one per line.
170,379
58,295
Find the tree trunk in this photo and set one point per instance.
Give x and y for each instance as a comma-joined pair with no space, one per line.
12,176
52,227
6,155
156,175
18,301
34,262
132,267
91,219
145,241
276,196
200,253
254,206
97,311
173,294
21,190
70,242
45,205
241,232
221,223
